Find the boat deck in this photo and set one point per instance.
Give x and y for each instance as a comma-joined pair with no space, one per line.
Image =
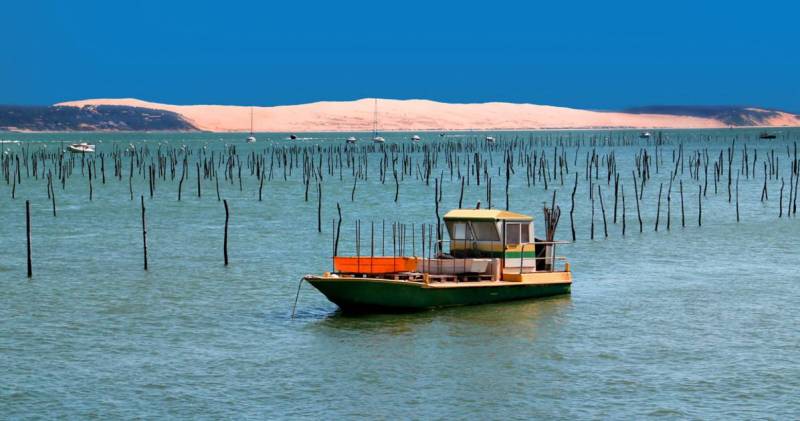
457,281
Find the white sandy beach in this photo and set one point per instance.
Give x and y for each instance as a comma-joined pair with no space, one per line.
415,115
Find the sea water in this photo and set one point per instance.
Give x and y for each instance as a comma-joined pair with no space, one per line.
694,321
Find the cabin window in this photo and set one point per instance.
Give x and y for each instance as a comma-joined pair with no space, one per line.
512,233
459,231
518,233
485,231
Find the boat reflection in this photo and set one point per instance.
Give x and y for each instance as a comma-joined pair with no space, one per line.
515,318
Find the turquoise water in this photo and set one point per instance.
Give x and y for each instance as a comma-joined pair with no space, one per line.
694,322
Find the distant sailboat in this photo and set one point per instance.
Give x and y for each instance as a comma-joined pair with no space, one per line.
251,138
375,137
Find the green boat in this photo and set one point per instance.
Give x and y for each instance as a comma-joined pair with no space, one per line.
492,257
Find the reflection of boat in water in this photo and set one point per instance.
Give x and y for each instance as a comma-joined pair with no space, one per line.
493,256
767,135
82,147
645,135
352,139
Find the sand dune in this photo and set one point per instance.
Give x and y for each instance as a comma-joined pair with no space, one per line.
413,115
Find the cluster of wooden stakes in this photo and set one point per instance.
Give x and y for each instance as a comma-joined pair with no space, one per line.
546,161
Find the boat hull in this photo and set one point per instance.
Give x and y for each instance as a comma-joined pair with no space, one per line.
379,295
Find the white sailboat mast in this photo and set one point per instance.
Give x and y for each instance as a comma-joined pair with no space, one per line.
375,120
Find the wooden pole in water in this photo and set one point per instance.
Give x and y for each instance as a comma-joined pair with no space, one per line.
461,197
737,197
658,208
338,230
52,195
319,205
260,186
198,179
572,209
130,180
616,191
216,180
622,192
90,183
669,205
794,201
683,218
699,206
225,242
437,198
396,186
603,209
591,237
144,234
28,235
508,179
636,196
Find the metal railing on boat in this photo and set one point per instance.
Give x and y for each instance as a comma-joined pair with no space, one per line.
551,259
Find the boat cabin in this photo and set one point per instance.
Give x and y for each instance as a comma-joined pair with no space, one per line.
493,233
483,245
491,256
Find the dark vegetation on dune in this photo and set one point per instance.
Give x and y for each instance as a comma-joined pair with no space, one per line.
89,118
729,114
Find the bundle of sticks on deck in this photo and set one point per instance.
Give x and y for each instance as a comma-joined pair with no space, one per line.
551,217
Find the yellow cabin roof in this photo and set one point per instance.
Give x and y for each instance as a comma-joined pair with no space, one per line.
486,215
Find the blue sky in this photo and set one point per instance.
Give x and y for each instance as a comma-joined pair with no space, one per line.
599,55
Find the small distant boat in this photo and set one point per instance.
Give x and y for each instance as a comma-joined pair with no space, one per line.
352,139
415,138
441,134
489,139
251,138
81,148
767,135
645,135
292,137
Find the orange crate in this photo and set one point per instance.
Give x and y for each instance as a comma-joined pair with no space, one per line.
381,264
